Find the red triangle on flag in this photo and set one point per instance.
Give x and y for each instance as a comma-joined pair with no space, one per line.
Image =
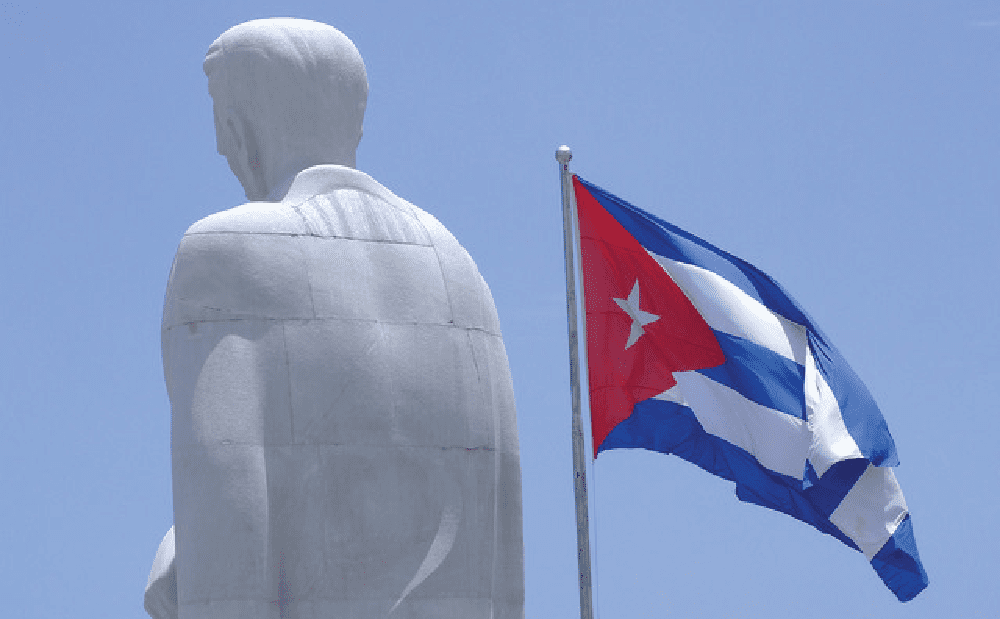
640,326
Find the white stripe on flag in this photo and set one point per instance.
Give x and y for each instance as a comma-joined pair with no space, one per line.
872,510
831,441
780,442
728,309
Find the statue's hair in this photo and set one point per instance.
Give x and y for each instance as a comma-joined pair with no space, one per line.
276,71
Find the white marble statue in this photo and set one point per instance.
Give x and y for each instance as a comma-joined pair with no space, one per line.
344,439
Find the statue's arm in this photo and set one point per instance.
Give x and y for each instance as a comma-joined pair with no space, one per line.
160,599
223,347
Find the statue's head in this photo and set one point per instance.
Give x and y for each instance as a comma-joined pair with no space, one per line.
288,94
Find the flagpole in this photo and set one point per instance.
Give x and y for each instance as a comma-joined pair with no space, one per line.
563,156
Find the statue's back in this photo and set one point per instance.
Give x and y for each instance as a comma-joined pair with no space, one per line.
344,435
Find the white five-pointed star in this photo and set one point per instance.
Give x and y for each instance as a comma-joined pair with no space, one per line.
639,318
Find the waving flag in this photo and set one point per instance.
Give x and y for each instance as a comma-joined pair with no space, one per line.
694,352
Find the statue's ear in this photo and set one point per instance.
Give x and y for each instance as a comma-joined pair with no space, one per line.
238,142
235,141
225,141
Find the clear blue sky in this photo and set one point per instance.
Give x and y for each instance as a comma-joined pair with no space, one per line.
849,149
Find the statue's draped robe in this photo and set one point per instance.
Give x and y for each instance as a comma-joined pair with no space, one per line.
344,438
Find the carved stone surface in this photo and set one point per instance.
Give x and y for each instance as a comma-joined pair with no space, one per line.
344,438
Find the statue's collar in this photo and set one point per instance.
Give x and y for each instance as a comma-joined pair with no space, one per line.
324,179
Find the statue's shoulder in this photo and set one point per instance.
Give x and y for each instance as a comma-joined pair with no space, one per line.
470,297
239,263
251,218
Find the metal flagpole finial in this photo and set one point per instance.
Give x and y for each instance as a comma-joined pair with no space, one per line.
563,154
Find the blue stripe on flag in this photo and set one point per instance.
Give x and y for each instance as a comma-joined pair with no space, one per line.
671,428
861,415
898,563
761,375
827,493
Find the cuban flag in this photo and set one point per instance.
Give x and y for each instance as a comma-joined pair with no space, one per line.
693,352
